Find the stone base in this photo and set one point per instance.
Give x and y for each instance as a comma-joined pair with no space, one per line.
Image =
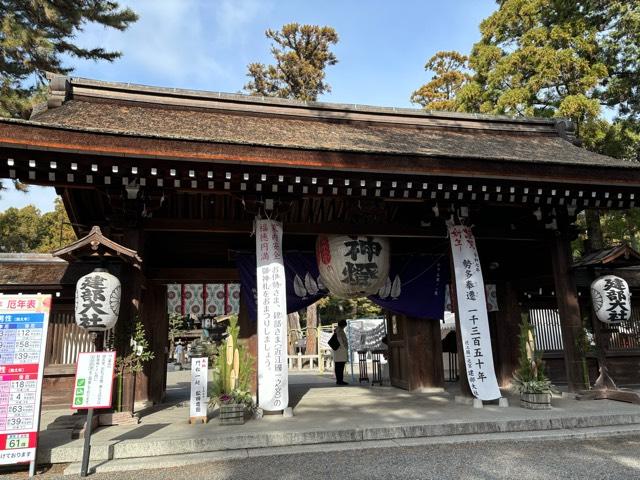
117,418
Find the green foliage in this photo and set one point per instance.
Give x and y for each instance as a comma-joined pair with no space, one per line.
450,75
140,354
176,325
233,369
556,58
301,52
529,377
28,230
618,227
36,35
333,309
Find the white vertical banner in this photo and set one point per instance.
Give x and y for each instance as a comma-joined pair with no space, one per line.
273,380
472,312
198,406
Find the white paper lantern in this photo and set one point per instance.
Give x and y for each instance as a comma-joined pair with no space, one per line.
352,266
611,299
97,301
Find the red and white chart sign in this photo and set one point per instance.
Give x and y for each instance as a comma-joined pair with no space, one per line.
23,337
94,380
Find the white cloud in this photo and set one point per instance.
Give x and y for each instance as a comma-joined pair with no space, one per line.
179,42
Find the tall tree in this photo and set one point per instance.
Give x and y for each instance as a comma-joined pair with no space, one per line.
28,230
450,75
301,53
36,35
565,59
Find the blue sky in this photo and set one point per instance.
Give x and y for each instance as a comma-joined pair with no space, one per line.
207,44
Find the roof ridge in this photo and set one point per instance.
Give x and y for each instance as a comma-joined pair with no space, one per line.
140,93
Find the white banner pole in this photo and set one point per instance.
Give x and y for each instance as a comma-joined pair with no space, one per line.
273,381
472,312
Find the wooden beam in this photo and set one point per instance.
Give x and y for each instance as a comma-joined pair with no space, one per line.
193,275
375,229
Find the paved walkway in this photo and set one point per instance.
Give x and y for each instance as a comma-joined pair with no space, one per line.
325,413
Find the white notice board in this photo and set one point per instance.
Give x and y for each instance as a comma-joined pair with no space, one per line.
94,380
198,407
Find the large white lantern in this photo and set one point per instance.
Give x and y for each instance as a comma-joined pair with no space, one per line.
352,266
611,299
97,301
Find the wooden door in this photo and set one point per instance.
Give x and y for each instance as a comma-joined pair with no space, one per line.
396,334
415,360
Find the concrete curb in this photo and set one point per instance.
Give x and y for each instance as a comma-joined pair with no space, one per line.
172,461
143,448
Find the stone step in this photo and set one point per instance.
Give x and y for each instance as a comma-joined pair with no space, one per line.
153,447
172,461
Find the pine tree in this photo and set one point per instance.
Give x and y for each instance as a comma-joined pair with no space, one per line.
301,52
450,75
36,35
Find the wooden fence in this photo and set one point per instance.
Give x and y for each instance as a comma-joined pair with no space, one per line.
546,324
65,339
546,327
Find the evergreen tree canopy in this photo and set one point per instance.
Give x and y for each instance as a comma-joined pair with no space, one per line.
450,75
28,230
35,35
558,58
301,52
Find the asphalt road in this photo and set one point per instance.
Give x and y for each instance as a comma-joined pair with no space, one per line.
608,458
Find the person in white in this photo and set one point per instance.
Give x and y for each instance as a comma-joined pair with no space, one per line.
179,352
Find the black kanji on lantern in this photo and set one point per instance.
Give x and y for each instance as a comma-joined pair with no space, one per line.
615,292
368,247
359,274
93,299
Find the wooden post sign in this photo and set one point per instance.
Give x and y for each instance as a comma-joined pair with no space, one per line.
23,332
273,380
92,389
472,311
199,405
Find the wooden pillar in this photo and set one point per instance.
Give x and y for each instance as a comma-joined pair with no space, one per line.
249,336
312,329
132,282
568,309
507,328
133,300
156,323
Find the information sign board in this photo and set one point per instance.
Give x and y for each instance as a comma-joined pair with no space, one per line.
198,404
94,380
23,337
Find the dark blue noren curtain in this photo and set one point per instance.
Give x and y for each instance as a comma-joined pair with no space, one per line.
415,286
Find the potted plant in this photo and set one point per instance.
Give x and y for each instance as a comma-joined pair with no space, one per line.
529,380
233,368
